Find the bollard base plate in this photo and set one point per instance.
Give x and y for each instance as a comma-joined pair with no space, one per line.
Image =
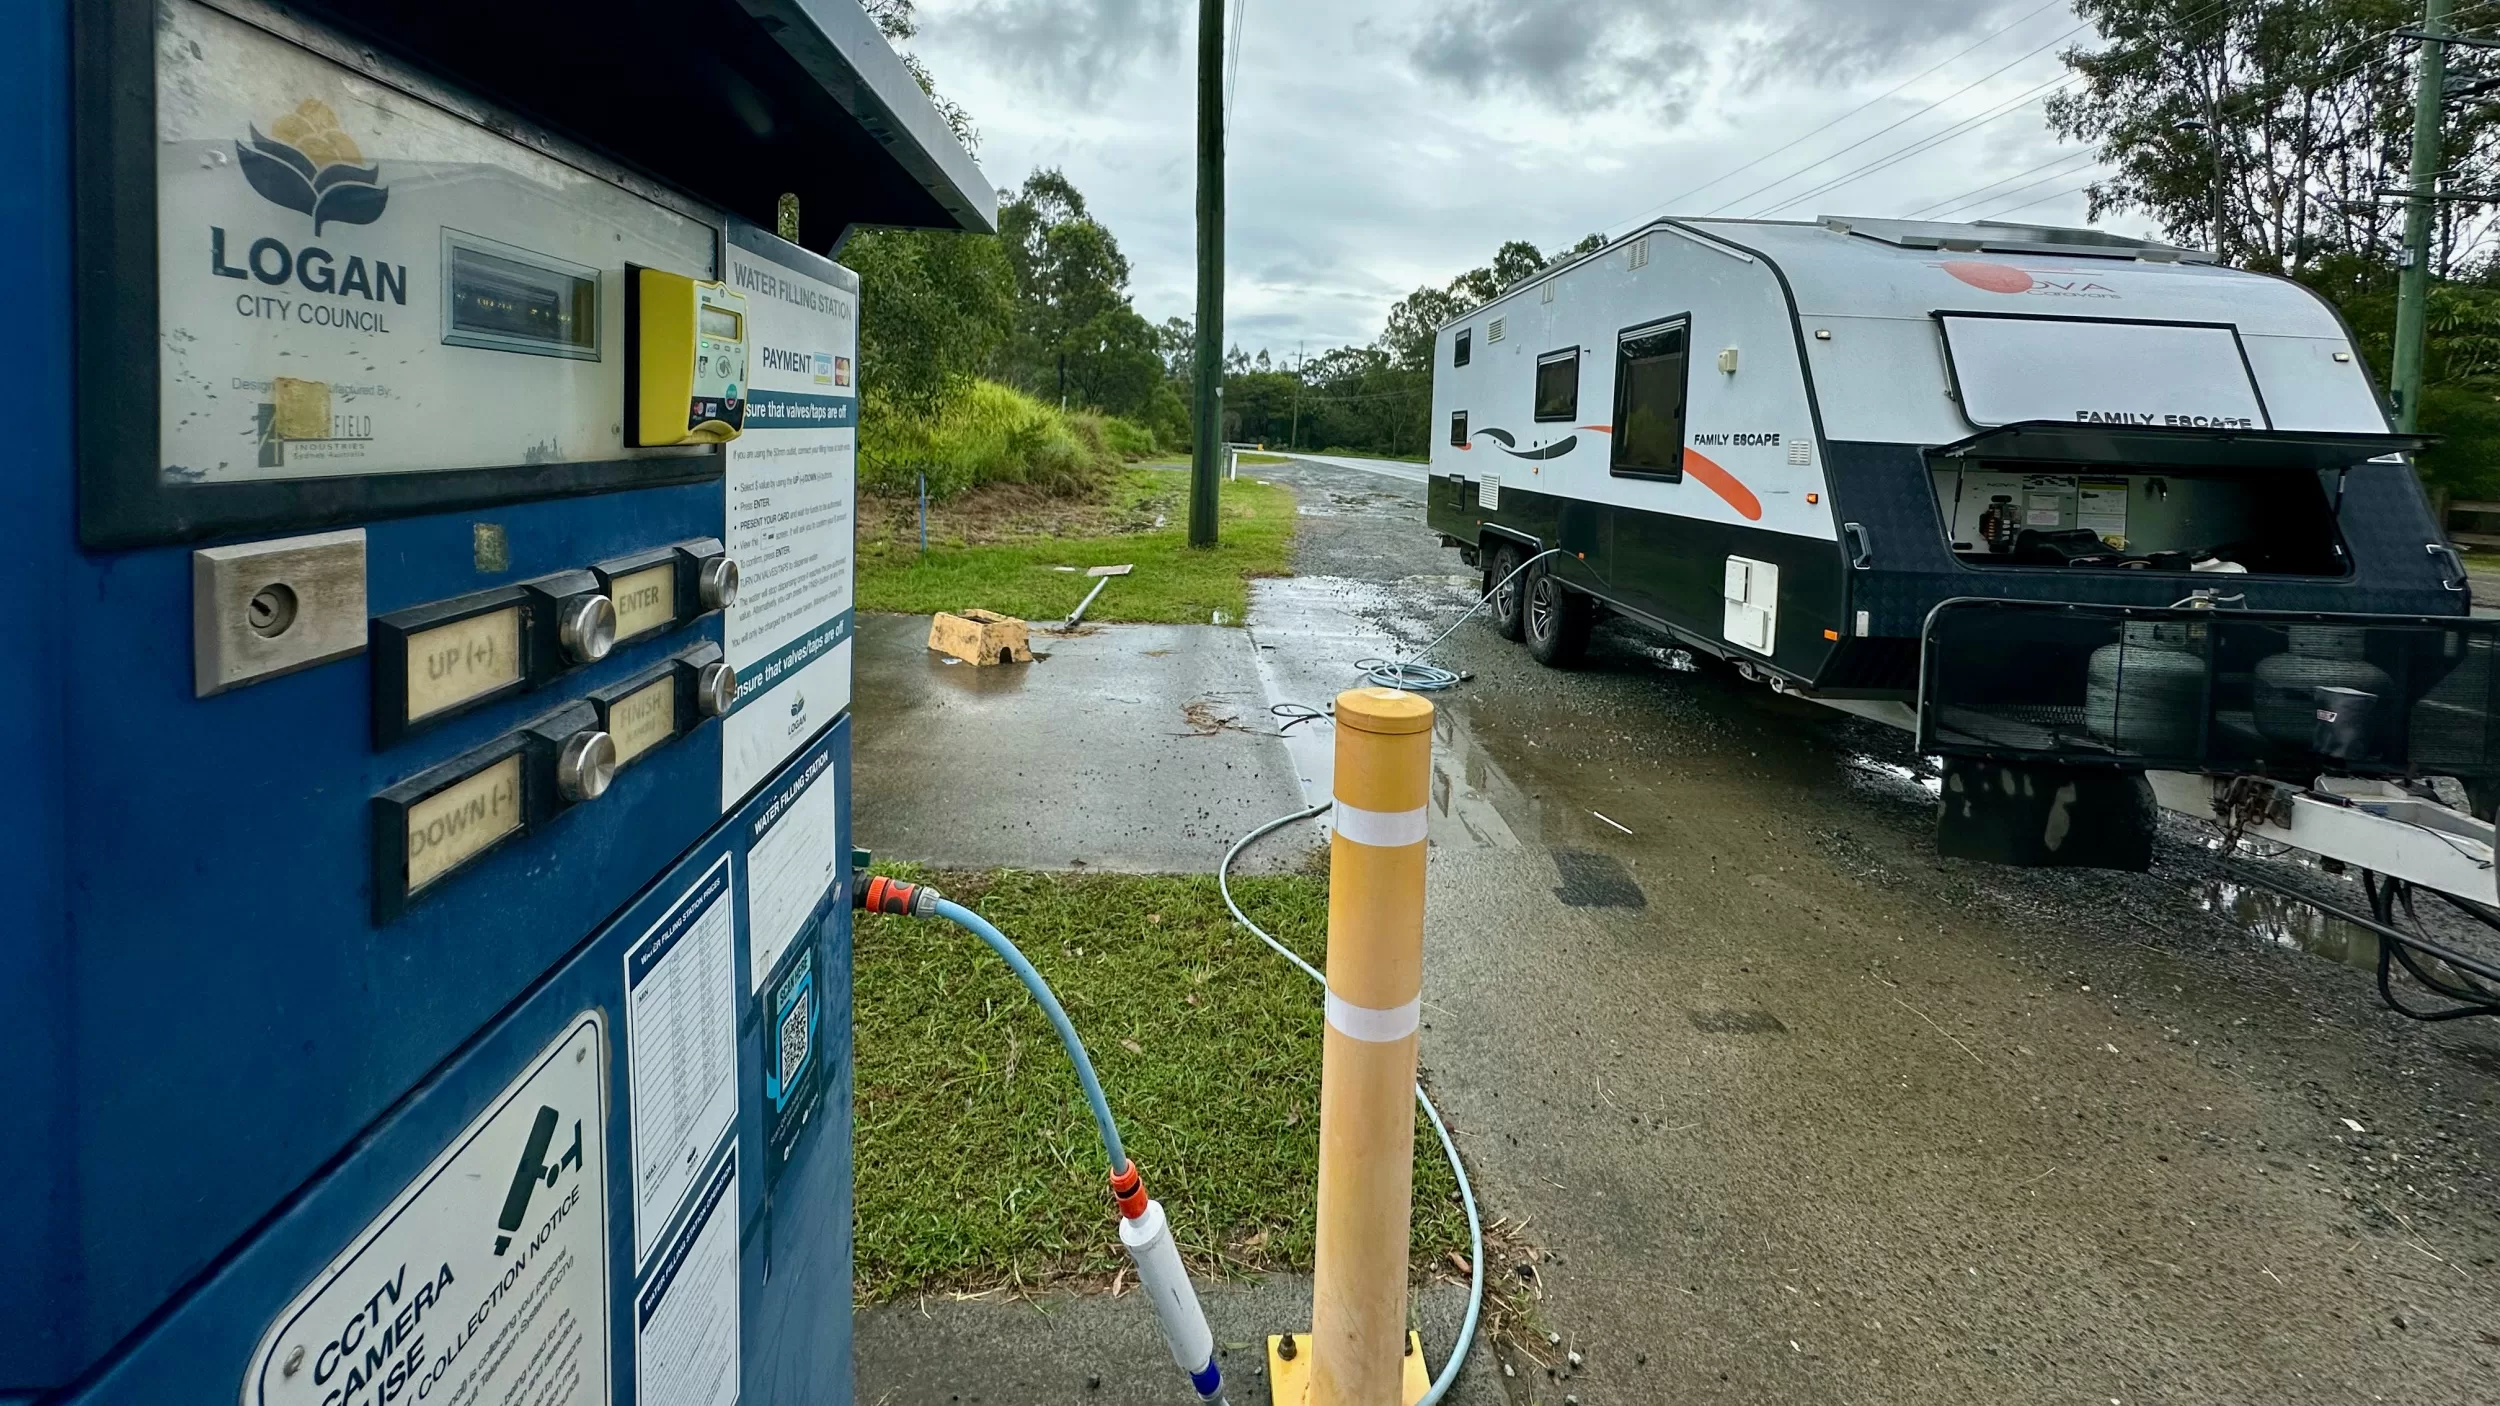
1289,1378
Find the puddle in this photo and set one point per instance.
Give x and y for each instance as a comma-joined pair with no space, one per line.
2288,923
1925,781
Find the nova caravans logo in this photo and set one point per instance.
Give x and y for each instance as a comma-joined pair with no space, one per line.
2005,278
308,164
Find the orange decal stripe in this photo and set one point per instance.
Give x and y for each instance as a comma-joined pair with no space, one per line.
1723,483
1601,429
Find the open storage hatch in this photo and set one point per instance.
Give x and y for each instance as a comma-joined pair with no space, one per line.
2228,501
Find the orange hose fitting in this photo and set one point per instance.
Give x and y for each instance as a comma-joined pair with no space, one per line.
1129,1189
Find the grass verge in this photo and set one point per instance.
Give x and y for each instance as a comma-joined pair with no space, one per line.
977,1164
1173,584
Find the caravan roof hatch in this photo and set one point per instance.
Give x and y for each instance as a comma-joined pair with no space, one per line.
2000,238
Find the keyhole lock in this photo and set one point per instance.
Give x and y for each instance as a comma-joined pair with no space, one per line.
271,610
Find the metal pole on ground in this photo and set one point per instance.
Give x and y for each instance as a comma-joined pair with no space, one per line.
2413,279
1204,467
1367,1065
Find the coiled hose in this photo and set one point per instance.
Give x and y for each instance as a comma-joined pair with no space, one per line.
1416,676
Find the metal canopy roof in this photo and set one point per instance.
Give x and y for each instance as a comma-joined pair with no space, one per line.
735,101
2163,446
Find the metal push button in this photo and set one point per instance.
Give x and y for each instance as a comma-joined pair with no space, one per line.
585,764
586,627
716,582
664,703
715,688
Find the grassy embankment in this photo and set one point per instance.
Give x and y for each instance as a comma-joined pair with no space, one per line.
977,1163
1140,517
1021,490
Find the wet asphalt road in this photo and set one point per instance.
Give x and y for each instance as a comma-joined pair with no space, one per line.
1805,1113
1792,1109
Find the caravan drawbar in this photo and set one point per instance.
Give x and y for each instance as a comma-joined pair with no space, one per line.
2049,497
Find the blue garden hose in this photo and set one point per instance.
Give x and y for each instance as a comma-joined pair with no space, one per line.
980,927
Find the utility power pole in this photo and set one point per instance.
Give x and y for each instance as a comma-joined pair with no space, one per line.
1206,464
2413,285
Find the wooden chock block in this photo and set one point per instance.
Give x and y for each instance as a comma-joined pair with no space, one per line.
980,637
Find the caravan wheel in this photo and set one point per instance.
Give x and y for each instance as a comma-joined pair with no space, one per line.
1558,621
1503,612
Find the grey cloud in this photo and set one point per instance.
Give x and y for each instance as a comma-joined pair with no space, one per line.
1581,55
1572,55
1075,48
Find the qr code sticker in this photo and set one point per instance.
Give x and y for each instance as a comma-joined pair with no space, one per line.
794,1042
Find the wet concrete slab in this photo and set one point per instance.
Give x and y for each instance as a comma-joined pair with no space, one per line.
1144,748
1106,1351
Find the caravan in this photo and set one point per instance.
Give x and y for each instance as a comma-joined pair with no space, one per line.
2063,503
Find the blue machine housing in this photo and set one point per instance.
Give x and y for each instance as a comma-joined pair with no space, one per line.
216,1066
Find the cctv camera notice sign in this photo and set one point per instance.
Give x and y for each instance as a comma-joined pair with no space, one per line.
486,1280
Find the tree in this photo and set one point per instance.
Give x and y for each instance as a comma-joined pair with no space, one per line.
2264,129
1076,334
934,308
898,20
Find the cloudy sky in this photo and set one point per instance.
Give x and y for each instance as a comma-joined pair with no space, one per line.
1381,144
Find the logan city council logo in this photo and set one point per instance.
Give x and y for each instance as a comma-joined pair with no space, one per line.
308,164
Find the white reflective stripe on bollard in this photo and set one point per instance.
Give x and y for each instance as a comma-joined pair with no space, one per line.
1381,829
1370,1024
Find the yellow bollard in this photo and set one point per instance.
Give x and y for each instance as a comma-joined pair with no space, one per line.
1367,1068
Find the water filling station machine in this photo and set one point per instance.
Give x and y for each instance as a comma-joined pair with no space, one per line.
425,961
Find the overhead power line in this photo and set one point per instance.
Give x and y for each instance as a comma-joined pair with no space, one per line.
2347,71
1920,147
1922,112
1939,207
1870,102
1232,71
2043,200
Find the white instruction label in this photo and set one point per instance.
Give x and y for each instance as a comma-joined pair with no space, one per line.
485,1282
789,485
686,1317
790,866
681,1052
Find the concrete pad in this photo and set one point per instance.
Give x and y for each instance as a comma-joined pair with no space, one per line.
1143,748
1048,1349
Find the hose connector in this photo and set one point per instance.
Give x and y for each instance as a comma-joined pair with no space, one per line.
878,894
1129,1190
1147,1237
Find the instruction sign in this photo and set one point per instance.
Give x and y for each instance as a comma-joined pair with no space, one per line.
681,1052
485,1282
790,480
686,1317
790,865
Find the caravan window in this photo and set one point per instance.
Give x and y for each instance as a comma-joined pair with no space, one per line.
1458,428
1558,384
1649,401
1459,356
